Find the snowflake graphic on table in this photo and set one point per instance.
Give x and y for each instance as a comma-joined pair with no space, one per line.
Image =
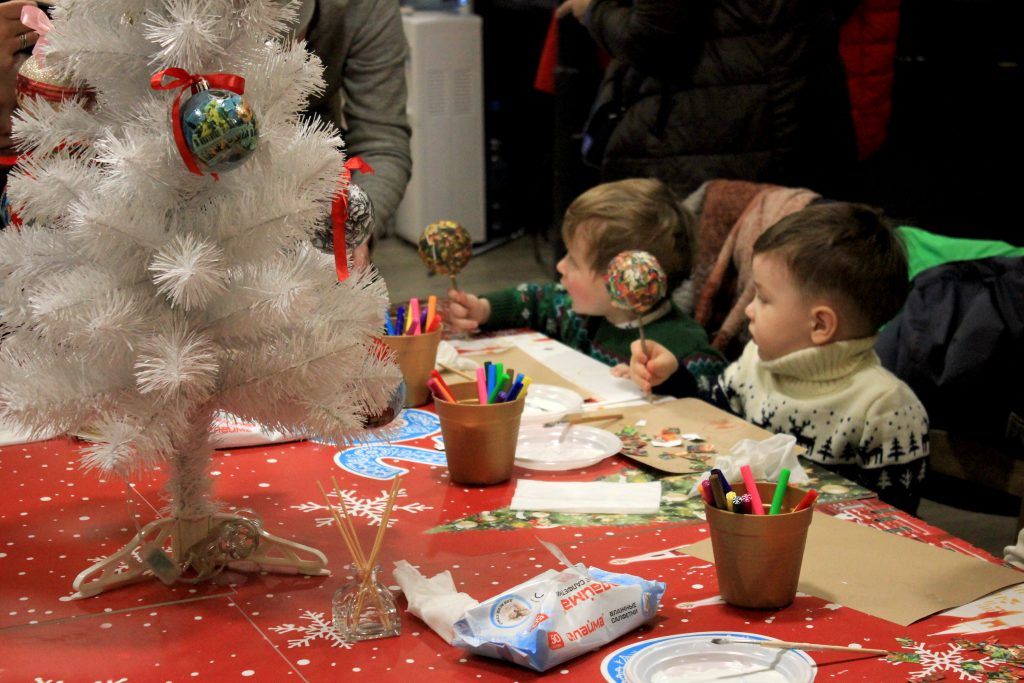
935,662
367,508
319,626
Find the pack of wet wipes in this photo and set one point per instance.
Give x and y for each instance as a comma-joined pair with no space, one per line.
558,615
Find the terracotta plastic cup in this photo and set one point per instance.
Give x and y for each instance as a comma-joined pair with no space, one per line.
479,440
416,354
758,557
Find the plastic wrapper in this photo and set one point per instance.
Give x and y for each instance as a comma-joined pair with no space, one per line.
558,615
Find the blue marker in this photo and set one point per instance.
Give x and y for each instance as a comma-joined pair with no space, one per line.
400,320
721,477
513,393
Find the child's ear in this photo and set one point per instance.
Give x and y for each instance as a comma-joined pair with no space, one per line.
824,324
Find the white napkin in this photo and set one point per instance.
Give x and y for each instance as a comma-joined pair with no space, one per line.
448,355
766,459
11,435
587,496
229,431
433,600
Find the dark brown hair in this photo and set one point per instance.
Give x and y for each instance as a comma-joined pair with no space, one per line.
637,213
848,251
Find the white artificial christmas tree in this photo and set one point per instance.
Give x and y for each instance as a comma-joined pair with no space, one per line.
140,299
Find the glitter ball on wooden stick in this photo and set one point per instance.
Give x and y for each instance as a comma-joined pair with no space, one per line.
37,81
445,248
636,281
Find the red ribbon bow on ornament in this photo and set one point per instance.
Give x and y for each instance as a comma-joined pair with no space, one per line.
339,214
183,79
36,19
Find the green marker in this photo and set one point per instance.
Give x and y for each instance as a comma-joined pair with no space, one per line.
780,492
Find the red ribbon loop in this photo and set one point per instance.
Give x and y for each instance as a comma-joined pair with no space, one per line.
339,214
182,79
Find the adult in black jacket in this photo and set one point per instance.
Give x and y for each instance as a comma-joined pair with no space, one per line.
704,89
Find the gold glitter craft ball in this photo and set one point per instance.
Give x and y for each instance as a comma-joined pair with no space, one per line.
445,247
37,81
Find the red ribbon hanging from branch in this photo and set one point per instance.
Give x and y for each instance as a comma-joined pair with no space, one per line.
181,80
339,214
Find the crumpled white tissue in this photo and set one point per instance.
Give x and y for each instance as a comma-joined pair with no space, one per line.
433,600
449,355
766,458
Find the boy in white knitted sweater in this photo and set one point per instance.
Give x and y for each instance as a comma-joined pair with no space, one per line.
826,279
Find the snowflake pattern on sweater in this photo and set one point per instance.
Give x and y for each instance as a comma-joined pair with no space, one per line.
547,308
848,412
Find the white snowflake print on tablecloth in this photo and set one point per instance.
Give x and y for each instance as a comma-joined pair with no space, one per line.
367,508
319,626
953,660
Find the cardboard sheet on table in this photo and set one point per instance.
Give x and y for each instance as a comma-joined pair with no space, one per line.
887,576
522,362
690,415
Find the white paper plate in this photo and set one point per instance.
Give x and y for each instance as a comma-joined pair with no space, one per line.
693,658
582,446
547,403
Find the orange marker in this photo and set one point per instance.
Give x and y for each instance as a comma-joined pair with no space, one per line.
431,313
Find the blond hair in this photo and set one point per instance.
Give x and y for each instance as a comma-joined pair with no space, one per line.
637,213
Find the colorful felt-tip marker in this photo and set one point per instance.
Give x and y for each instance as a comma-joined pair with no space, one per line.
743,503
757,507
807,501
414,316
717,492
481,385
705,492
780,492
431,313
721,477
730,501
438,391
400,321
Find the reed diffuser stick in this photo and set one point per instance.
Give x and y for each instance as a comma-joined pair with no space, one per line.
372,560
350,542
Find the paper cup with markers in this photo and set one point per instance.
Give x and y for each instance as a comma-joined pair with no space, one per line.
758,556
479,439
415,354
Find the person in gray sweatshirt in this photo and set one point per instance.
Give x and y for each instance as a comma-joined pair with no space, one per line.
363,48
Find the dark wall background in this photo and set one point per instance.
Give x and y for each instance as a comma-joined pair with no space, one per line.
952,162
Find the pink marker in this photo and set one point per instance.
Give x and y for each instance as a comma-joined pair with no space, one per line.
481,385
755,495
414,316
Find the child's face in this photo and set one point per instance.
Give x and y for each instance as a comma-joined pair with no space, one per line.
781,319
586,287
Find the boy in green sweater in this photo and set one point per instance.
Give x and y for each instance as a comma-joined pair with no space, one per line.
637,213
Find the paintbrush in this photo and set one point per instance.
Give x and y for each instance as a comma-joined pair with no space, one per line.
580,418
786,645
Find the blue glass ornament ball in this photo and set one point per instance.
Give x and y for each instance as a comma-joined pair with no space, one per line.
395,404
220,129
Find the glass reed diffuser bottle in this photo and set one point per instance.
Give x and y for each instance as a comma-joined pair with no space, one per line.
364,608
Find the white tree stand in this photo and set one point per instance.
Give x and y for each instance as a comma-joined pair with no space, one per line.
273,552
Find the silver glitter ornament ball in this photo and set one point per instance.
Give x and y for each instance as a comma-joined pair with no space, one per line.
360,223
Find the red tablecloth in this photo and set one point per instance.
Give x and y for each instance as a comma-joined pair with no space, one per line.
55,520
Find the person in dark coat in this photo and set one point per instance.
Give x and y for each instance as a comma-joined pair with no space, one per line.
705,89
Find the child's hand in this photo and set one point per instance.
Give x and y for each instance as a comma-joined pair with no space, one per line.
466,311
650,372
